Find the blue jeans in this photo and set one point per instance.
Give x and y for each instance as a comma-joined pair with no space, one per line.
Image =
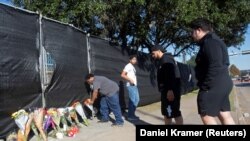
112,103
133,100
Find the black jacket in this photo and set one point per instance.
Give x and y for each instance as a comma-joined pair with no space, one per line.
211,62
167,76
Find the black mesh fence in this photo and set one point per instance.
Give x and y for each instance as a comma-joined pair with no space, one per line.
68,53
20,85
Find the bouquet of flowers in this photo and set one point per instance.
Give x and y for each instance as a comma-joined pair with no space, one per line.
21,117
62,112
73,115
79,109
55,117
26,121
30,123
38,122
67,115
48,122
90,106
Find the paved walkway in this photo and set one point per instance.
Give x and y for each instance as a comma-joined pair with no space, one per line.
149,114
242,101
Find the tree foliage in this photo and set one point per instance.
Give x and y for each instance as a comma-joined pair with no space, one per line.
148,22
191,61
234,71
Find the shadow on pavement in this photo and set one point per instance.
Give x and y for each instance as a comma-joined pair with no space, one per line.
139,122
136,122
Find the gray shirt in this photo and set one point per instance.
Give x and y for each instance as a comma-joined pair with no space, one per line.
105,85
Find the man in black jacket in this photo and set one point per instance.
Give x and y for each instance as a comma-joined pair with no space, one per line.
168,78
211,69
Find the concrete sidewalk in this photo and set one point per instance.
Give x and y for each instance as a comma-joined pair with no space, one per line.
149,115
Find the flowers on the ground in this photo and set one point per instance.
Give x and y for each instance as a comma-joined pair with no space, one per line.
73,115
62,112
79,109
55,117
38,120
26,121
21,117
41,120
90,106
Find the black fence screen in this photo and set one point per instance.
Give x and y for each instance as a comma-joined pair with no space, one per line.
68,53
109,61
20,85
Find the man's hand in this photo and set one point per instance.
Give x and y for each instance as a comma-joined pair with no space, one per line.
170,95
94,96
91,102
131,81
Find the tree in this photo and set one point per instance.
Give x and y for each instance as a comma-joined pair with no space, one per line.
79,13
191,61
234,71
149,22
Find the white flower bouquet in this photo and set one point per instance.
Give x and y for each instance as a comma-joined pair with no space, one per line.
79,109
21,117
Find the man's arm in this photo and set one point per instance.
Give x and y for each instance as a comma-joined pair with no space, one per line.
124,76
213,52
169,75
169,79
93,97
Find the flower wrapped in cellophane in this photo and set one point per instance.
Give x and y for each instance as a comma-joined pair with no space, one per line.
67,115
31,125
53,118
48,122
79,109
90,107
62,113
38,121
52,112
73,115
21,117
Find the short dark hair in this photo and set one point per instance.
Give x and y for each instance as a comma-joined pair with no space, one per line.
158,47
132,56
202,23
88,76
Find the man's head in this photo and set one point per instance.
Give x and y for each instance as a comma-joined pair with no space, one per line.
157,51
89,78
200,27
133,59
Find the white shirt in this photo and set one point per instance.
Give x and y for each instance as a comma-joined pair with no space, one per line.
131,73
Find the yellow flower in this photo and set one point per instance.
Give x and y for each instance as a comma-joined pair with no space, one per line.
52,111
14,115
18,113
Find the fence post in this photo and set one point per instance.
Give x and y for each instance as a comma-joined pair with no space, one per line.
42,60
88,52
